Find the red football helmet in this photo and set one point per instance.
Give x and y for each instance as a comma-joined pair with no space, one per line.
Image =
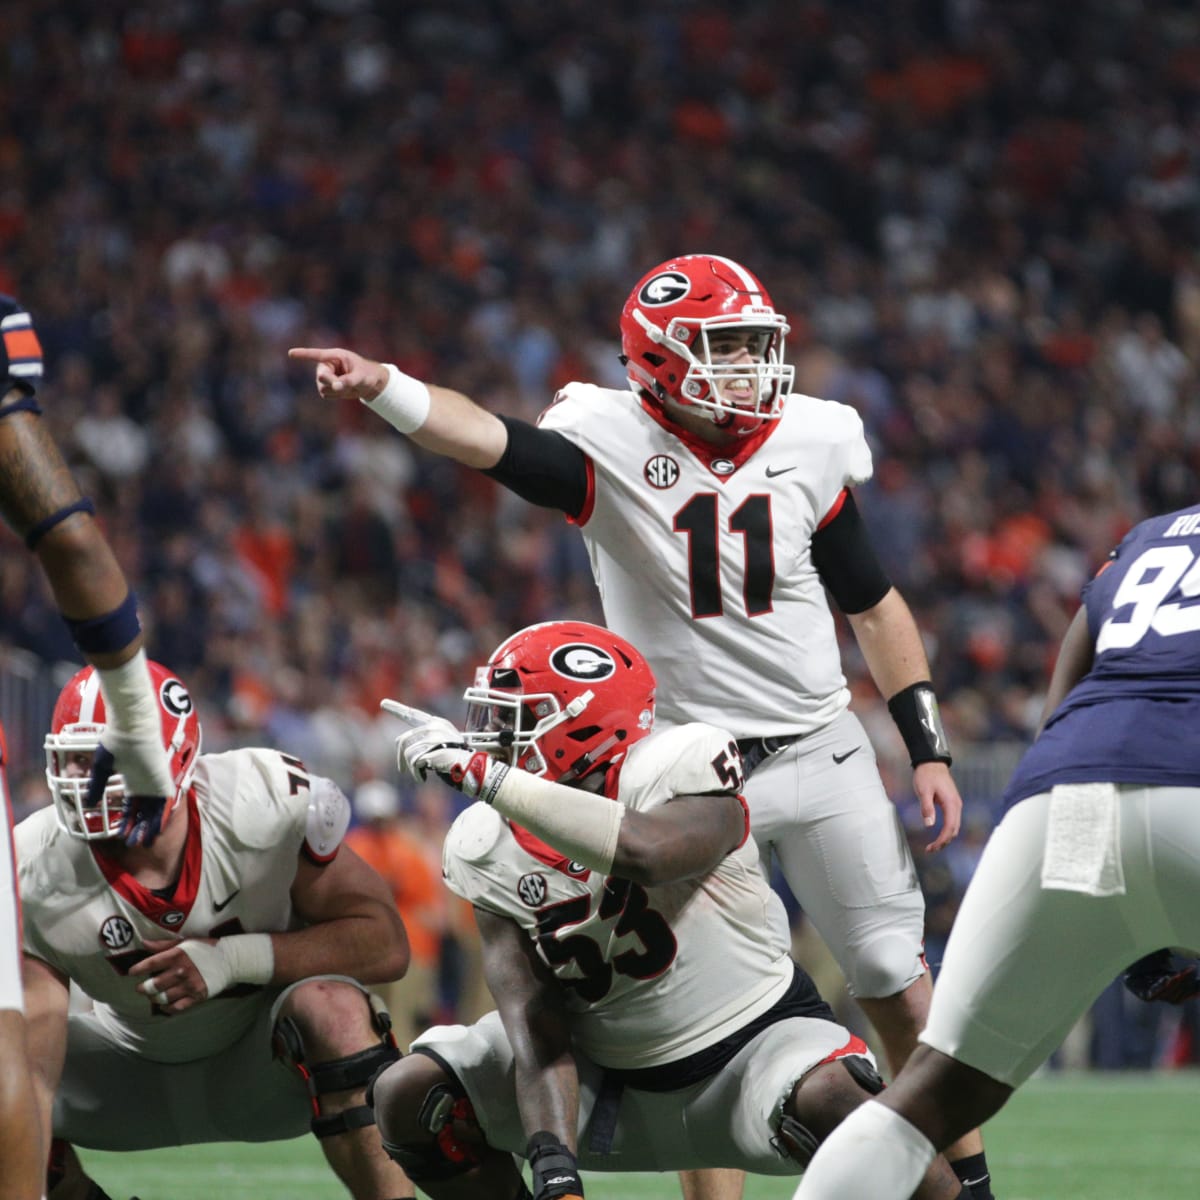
666,325
77,727
561,699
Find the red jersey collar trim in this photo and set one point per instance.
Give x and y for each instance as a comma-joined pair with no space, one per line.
142,898
546,854
706,453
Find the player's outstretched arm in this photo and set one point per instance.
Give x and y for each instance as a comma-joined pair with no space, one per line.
531,1005
436,418
679,840
41,501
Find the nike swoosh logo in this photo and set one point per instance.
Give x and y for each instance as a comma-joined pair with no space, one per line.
229,900
841,758
967,1183
772,471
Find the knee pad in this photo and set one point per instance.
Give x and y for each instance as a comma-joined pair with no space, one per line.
863,1074
796,1141
446,1113
339,1074
885,967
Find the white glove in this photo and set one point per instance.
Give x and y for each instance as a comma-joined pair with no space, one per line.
426,733
473,772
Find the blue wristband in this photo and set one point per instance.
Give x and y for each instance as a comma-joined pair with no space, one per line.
108,633
25,402
46,524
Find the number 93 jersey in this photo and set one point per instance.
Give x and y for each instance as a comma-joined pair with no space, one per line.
1133,717
702,553
653,974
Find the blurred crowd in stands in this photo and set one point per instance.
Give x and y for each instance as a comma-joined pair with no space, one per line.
982,216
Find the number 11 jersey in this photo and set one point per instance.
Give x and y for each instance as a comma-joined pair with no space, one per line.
702,554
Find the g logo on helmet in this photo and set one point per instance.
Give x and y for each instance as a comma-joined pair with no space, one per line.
578,660
665,288
175,698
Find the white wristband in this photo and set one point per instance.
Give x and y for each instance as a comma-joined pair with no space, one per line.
134,732
404,401
239,958
579,824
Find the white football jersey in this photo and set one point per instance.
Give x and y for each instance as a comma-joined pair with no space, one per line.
251,812
703,560
654,974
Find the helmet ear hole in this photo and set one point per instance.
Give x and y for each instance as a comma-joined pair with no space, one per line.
585,734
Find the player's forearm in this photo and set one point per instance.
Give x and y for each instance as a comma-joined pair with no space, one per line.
1075,657
547,1077
437,418
891,644
46,1005
459,428
36,482
83,573
370,946
548,1098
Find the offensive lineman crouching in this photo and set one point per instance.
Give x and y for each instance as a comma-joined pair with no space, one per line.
226,960
649,1017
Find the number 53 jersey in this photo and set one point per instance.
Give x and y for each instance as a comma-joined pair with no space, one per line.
653,974
1133,717
702,554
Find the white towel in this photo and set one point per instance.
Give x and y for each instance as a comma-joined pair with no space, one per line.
1083,840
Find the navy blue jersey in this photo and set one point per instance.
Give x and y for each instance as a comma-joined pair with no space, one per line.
1133,718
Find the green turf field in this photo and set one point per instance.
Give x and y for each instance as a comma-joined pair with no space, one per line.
1075,1137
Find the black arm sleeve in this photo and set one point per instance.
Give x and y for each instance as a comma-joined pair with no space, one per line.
847,563
543,467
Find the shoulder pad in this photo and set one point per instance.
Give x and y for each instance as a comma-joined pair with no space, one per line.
684,760
328,819
576,402
474,833
471,840
261,795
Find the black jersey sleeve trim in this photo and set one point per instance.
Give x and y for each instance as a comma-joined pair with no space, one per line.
543,467
845,559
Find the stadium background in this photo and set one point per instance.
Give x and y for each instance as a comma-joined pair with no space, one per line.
982,218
